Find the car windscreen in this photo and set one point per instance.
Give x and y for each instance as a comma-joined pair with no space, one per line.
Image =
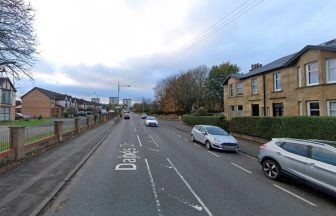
216,131
151,118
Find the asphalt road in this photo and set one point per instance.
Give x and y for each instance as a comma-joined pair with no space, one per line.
164,173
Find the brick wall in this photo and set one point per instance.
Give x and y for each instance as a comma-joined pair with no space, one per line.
36,103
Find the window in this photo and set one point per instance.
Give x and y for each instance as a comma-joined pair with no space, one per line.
312,74
313,108
231,90
239,88
277,82
4,114
331,108
5,96
254,86
232,109
300,108
323,155
255,109
331,70
295,148
278,109
299,76
240,110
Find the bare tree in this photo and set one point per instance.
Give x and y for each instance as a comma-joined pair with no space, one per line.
17,38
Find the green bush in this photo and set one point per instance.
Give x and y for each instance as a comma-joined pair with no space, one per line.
206,120
201,112
301,127
65,114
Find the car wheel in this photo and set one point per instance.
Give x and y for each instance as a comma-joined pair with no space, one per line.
208,145
192,138
271,169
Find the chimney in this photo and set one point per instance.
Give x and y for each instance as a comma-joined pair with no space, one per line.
255,66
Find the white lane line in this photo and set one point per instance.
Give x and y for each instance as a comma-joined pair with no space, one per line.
153,149
241,168
139,141
179,136
191,190
157,145
297,196
156,197
214,154
197,145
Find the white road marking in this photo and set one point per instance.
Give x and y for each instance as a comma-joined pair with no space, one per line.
153,149
179,136
297,196
191,190
139,140
214,154
169,167
156,197
197,145
241,168
157,145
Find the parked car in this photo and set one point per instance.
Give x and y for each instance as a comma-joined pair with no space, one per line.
151,121
144,116
82,113
214,137
311,160
127,116
20,116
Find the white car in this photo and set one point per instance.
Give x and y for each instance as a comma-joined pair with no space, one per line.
214,137
151,121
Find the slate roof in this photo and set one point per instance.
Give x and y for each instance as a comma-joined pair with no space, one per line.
287,60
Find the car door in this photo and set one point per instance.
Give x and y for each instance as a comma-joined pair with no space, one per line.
321,167
202,134
196,133
294,158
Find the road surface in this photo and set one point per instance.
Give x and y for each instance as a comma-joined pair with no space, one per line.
159,171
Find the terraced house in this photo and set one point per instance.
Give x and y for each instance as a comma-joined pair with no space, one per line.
7,99
303,83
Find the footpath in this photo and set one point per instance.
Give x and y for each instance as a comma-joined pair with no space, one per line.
246,146
26,187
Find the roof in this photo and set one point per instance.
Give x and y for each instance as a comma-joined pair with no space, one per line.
287,60
3,79
50,94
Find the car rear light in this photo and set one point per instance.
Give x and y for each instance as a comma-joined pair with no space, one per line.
263,146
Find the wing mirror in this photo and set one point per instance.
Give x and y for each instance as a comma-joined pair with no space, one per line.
204,133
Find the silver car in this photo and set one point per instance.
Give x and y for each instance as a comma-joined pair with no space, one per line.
214,137
311,160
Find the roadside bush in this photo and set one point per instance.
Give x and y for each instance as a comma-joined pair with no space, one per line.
201,112
301,127
206,120
65,114
39,117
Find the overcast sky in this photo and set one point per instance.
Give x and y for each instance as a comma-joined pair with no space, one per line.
87,46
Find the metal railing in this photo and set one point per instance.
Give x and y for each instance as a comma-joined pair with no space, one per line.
4,140
68,126
39,132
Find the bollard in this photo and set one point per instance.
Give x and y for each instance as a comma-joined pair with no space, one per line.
58,130
17,141
77,125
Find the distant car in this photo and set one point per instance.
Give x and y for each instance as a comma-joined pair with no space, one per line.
144,116
311,160
127,116
82,113
151,122
214,137
20,116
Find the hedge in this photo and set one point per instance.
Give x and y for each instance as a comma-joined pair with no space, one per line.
301,127
206,120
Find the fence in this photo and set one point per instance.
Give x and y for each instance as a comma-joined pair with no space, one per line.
68,126
40,132
4,140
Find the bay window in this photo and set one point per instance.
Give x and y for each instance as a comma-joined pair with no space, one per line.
331,70
313,108
312,76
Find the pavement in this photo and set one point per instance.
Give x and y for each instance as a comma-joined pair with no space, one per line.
24,187
142,170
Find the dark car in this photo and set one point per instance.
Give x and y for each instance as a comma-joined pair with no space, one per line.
126,116
20,116
82,113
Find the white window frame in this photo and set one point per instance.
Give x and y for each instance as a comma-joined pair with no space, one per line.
327,65
231,90
241,88
300,108
308,107
299,76
328,106
275,79
240,112
309,72
254,86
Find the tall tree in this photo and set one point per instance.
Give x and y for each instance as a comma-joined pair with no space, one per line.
17,38
215,81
